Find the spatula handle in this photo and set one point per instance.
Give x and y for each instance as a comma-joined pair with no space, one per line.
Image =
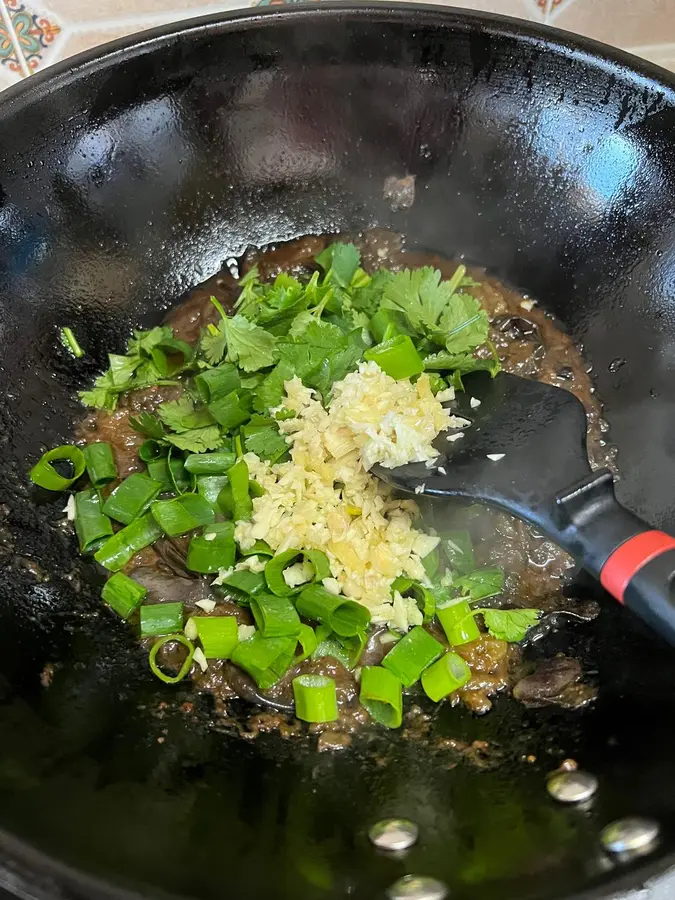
634,562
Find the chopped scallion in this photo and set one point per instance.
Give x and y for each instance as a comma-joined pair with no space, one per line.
209,463
182,514
346,617
242,506
131,498
45,475
151,450
119,549
397,357
209,487
246,583
123,594
259,548
91,526
213,550
100,462
458,622
275,616
184,669
170,472
449,674
381,695
161,618
308,642
315,698
265,659
410,656
218,635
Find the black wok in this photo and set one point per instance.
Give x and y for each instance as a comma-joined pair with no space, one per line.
126,179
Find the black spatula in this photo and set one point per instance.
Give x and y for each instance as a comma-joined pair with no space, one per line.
525,451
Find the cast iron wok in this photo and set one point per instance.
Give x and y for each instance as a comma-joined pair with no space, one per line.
126,179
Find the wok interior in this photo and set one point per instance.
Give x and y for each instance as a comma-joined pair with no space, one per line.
127,181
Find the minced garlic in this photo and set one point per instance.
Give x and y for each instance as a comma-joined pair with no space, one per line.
310,502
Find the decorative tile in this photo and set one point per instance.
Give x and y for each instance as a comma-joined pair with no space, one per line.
27,35
111,13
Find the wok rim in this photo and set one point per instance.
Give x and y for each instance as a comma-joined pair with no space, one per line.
34,874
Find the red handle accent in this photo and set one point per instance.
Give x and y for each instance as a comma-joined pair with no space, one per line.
630,557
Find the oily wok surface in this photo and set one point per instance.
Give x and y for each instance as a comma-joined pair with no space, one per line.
127,180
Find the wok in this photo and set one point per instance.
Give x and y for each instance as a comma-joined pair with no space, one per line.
127,176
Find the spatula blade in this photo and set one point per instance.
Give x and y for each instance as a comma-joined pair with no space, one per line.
535,432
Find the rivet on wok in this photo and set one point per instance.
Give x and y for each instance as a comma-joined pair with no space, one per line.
630,835
417,887
572,787
394,834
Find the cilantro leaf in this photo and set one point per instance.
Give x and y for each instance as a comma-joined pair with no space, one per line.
463,324
145,341
103,395
435,310
481,583
121,369
248,345
197,440
180,415
271,392
336,364
265,441
461,362
339,262
320,355
459,550
368,299
213,343
509,624
147,424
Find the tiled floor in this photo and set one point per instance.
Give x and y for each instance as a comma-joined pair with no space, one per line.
37,33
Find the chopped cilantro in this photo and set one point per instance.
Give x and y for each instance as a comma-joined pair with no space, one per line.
180,415
435,310
143,342
249,346
340,263
197,440
459,550
481,583
147,424
509,624
262,437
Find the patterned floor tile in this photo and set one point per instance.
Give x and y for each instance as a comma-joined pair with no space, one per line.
28,35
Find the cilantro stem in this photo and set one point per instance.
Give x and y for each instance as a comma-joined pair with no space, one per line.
219,307
70,342
456,279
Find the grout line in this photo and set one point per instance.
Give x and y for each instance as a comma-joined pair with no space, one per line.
7,21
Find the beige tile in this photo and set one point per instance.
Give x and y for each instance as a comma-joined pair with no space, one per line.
620,22
661,54
7,77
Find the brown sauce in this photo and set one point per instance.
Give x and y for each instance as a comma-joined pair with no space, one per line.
529,343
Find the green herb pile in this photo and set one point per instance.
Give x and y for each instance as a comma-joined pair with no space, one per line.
196,481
